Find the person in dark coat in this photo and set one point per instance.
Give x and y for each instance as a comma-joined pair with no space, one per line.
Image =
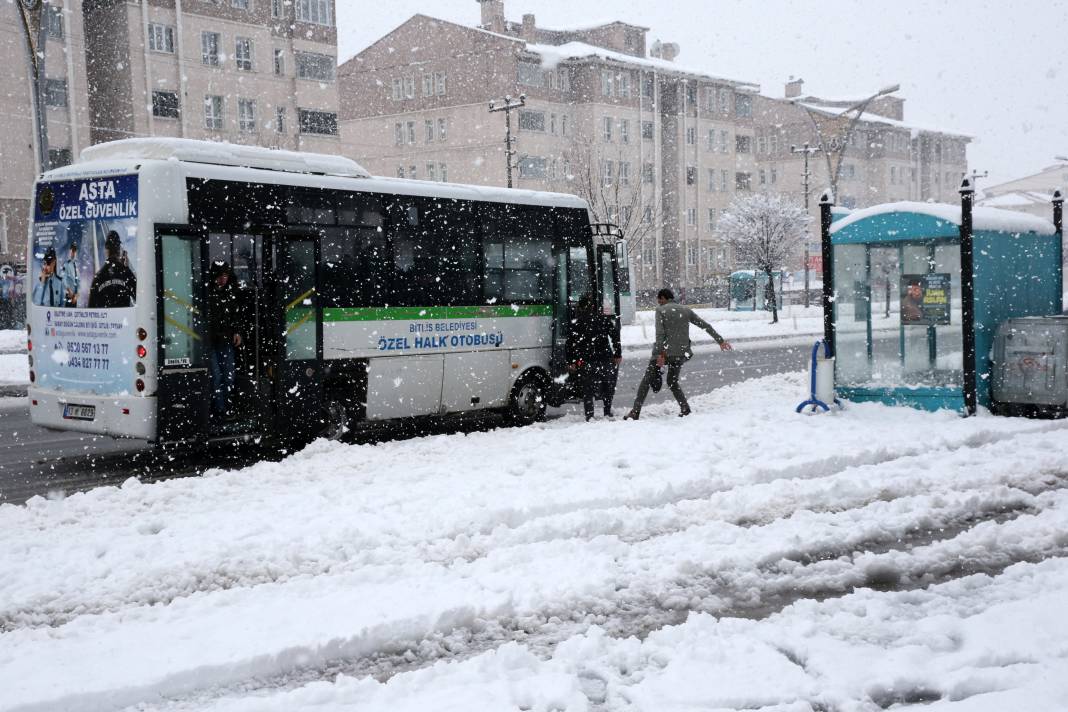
115,285
594,353
224,336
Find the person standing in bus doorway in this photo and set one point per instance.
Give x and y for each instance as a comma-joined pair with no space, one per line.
48,292
672,348
223,336
594,351
71,280
115,285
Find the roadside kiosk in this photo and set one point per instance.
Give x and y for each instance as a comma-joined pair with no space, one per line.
918,290
748,290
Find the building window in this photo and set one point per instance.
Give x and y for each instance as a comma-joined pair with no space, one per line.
165,104
55,93
773,175
762,177
648,172
400,171
624,130
691,253
773,143
723,180
428,129
712,180
53,23
317,12
276,8
606,172
743,106
209,48
59,157
409,87
443,130
161,38
762,145
532,121
398,134
623,84
398,89
691,216
552,124
529,74
213,112
691,135
428,85
443,172
440,79
724,139
711,140
410,131
608,128
318,67
532,167
743,181
280,120
239,4
743,144
691,175
280,62
324,123
243,54
624,172
647,86
648,130
691,95
725,100
431,171
849,171
246,115
607,83
412,173
649,256
711,219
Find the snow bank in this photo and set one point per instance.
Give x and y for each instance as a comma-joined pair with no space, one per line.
514,568
14,370
12,340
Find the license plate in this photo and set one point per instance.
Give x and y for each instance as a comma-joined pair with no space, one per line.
79,412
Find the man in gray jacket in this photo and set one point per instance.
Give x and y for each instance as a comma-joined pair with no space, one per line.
672,347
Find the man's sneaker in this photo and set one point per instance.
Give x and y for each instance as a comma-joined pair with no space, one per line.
684,412
633,415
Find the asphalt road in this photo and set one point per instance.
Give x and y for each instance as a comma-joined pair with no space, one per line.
35,461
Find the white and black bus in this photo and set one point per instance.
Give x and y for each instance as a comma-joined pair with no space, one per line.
361,298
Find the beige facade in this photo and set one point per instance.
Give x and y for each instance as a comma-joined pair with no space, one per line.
655,147
1031,194
259,72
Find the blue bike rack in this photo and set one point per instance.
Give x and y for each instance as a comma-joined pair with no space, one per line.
813,401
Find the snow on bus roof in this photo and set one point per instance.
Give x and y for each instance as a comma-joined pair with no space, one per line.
224,154
991,219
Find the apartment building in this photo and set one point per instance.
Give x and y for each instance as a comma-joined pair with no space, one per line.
1032,194
883,158
259,72
656,147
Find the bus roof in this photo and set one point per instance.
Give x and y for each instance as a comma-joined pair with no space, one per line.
224,161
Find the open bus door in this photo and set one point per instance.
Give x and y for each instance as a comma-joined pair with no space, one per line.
298,401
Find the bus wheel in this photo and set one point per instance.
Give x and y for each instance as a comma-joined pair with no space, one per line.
529,400
335,418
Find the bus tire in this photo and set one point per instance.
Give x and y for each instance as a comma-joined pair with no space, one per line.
528,400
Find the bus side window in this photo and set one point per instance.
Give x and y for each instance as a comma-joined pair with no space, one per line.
414,280
517,257
457,255
356,260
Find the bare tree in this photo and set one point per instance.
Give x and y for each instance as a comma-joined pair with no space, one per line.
764,231
606,176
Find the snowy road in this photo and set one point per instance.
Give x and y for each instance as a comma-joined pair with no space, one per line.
743,558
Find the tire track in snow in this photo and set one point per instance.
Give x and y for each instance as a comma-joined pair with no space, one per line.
786,491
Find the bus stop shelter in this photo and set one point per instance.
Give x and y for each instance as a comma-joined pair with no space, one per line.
748,290
918,290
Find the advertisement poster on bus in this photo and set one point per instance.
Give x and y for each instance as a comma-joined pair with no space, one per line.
925,299
83,283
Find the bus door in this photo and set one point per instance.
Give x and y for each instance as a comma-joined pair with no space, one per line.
184,383
608,279
299,350
572,282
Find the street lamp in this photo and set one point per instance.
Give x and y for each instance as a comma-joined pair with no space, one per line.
838,144
32,14
807,151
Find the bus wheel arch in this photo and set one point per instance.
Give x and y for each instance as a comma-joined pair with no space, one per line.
529,397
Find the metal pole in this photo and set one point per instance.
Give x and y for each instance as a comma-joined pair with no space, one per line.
1058,225
508,107
826,203
805,175
967,296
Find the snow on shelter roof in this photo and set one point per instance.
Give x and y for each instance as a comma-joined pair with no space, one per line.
990,219
552,55
225,154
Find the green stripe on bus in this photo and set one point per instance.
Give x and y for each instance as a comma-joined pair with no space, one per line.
415,313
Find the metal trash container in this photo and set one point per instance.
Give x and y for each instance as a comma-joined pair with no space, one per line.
1030,367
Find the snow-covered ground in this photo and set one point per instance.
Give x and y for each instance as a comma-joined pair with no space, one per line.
12,340
14,370
733,325
743,558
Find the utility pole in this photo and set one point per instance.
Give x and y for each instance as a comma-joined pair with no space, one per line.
807,151
508,107
32,14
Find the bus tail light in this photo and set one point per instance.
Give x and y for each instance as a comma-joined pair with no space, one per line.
140,368
125,411
142,334
141,351
33,376
139,385
33,402
29,344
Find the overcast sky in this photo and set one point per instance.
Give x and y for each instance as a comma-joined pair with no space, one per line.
995,69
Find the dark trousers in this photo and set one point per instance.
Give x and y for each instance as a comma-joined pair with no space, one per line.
597,379
674,368
222,367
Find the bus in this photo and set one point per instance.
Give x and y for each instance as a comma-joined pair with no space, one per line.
361,298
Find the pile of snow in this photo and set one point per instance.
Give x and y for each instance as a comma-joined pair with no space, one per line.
12,340
14,370
663,564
